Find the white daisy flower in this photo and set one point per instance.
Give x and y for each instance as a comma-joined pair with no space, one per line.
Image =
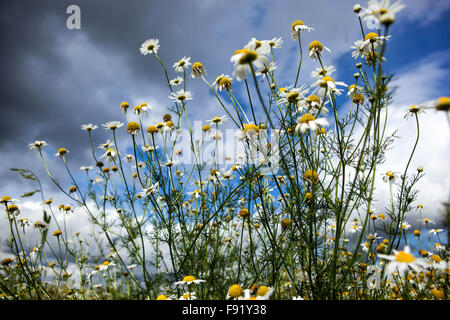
86,168
275,43
309,122
110,154
188,280
112,125
176,82
146,192
108,144
222,82
327,85
380,8
181,96
182,64
315,48
198,70
401,261
298,26
38,144
217,120
440,104
435,231
89,127
252,54
320,72
149,46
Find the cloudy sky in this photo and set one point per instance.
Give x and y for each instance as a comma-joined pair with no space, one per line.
56,79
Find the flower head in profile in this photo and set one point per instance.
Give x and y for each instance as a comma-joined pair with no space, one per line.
252,56
402,261
372,42
112,125
327,85
198,70
61,152
309,122
149,46
188,280
181,96
223,82
217,120
439,104
110,154
378,9
38,145
182,64
89,127
297,27
315,48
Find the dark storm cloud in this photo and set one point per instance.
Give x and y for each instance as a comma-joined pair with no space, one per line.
55,79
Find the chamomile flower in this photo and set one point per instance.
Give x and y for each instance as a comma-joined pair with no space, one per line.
110,154
435,231
315,48
188,280
327,85
112,125
176,82
182,64
89,127
61,152
86,168
264,293
372,41
198,70
402,261
188,296
275,43
108,144
389,176
252,54
149,46
146,192
38,145
181,96
217,120
298,26
223,82
380,8
272,66
320,72
439,104
312,103
309,122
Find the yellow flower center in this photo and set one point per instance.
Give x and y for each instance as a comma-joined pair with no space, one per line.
414,109
188,278
133,127
197,66
293,97
248,56
161,297
443,104
402,256
371,36
250,127
306,118
313,98
324,82
316,45
297,23
235,291
436,258
262,291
